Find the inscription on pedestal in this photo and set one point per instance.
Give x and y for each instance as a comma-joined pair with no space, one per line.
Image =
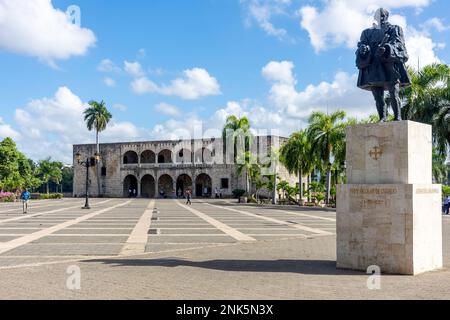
377,191
376,153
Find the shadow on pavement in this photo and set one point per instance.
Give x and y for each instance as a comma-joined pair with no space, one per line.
314,267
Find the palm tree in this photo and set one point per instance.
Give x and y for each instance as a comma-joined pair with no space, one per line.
56,175
237,127
427,100
283,186
326,133
246,162
427,85
442,127
49,171
440,169
97,117
296,157
260,183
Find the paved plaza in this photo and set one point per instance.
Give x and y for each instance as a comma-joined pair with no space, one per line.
163,249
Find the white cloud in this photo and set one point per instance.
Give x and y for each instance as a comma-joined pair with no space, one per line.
168,109
341,93
262,11
286,109
421,49
109,82
50,127
142,53
133,68
106,65
195,83
436,24
7,131
279,71
340,23
35,28
120,107
144,85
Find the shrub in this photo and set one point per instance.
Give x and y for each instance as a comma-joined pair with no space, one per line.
50,196
252,199
237,193
320,197
445,191
7,197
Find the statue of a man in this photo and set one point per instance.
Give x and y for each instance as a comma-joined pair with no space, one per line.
381,58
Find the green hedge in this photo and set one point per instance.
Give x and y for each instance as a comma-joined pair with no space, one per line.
445,191
45,196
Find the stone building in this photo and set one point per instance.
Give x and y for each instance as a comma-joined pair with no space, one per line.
166,168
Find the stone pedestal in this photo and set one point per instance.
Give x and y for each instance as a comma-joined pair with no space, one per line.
389,213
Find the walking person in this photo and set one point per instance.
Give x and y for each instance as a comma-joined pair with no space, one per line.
188,197
17,195
25,197
447,205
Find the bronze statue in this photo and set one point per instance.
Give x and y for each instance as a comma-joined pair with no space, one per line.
381,58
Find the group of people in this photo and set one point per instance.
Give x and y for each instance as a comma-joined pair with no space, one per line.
446,206
218,193
132,193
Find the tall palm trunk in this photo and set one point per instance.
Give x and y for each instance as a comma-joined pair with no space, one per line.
275,189
300,184
247,181
309,184
327,200
48,187
98,165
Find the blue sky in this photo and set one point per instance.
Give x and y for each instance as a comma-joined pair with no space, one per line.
165,67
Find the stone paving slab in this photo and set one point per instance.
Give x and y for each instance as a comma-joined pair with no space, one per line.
191,239
190,231
94,231
82,239
65,250
161,247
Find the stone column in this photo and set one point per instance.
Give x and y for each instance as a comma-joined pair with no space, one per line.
389,213
139,188
193,185
175,195
156,184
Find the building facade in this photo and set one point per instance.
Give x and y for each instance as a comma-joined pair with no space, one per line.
166,169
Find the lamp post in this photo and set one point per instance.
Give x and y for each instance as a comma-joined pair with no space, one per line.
90,162
328,183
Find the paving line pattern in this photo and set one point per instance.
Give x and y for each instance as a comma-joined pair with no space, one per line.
137,240
239,236
10,245
277,221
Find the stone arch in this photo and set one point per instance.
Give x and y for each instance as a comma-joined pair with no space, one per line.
204,155
165,156
165,186
130,183
148,186
184,182
148,156
130,157
203,186
183,156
